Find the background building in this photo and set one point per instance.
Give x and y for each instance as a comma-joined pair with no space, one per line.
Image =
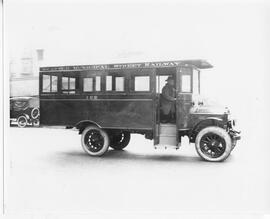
24,73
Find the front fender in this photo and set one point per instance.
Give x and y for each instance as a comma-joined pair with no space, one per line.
210,121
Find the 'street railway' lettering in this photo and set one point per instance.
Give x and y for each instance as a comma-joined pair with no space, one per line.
196,63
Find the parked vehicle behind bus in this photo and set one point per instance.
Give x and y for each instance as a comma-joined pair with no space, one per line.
24,111
107,103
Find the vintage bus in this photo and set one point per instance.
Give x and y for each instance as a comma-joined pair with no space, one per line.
107,103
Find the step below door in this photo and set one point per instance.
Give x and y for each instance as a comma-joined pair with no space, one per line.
167,135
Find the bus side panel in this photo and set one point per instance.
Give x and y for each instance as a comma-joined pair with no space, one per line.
130,114
107,113
61,112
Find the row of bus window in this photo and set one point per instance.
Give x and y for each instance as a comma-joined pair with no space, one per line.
70,85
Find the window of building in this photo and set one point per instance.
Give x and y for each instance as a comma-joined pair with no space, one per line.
141,83
49,83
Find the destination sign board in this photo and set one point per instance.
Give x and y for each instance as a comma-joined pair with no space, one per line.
196,63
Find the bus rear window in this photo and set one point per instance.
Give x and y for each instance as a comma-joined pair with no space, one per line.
49,83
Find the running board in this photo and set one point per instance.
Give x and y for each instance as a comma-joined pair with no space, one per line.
167,136
164,146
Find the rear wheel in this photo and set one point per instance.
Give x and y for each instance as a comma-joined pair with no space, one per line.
120,140
95,141
22,121
213,144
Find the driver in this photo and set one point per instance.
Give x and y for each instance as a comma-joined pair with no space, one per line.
168,101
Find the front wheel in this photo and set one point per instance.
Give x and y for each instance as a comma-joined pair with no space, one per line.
95,141
213,144
22,121
120,140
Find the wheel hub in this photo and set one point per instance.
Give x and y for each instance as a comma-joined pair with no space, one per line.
212,145
94,141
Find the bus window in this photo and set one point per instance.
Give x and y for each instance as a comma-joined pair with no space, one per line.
141,83
49,83
161,82
88,84
98,83
46,86
64,83
196,85
54,83
108,83
119,83
69,85
186,83
115,83
91,84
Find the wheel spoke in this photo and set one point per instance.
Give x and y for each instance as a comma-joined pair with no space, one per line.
94,140
212,145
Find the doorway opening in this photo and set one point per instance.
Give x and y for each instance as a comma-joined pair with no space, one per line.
166,94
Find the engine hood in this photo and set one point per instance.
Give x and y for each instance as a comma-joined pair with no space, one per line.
206,106
201,109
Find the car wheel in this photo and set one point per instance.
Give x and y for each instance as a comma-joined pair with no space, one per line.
213,144
22,121
36,122
120,141
35,113
95,141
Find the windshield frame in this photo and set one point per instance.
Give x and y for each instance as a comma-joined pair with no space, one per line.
196,86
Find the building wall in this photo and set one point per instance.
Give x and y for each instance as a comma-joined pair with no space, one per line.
24,87
24,73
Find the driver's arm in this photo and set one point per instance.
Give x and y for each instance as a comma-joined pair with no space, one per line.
166,94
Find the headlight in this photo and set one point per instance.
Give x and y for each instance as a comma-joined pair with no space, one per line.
229,117
231,123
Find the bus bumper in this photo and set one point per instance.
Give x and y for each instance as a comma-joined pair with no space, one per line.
235,136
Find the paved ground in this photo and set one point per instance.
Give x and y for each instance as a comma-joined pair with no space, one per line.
48,171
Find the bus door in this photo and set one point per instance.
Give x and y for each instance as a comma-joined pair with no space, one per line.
160,83
183,96
160,125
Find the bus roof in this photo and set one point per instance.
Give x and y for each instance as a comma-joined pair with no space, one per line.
198,63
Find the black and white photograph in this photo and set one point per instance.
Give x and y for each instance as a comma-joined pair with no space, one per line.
135,109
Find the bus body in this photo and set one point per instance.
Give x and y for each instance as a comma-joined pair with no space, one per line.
106,103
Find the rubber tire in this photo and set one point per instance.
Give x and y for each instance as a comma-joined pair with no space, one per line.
121,145
32,113
105,145
36,122
22,118
218,131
